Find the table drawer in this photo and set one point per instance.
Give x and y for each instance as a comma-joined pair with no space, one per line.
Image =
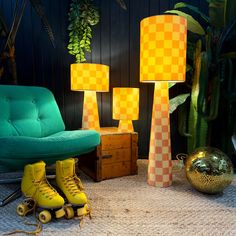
117,169
116,142
116,155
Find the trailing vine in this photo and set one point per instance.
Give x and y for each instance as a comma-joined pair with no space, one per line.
82,16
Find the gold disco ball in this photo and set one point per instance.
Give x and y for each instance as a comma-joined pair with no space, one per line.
209,170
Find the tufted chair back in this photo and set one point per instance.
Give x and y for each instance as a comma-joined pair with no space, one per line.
28,111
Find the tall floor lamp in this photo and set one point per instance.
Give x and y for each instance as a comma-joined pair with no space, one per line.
162,59
90,78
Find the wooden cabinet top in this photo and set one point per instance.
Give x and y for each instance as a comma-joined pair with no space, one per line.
112,130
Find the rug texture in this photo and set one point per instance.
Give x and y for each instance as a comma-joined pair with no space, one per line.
129,206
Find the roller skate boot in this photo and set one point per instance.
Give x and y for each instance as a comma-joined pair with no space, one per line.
40,194
72,188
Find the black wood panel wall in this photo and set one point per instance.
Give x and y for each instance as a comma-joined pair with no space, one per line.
115,43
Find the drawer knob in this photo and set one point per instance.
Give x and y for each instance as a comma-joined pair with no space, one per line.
107,156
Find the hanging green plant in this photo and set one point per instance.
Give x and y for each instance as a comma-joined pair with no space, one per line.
82,16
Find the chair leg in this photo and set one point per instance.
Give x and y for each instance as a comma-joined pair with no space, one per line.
17,193
13,196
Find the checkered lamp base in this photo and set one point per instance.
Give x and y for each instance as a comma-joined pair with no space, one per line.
125,126
160,164
90,118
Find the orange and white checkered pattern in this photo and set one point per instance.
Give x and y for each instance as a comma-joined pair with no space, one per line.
125,126
160,164
163,48
89,77
90,118
125,105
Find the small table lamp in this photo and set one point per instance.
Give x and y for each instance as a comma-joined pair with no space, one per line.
90,78
125,107
162,59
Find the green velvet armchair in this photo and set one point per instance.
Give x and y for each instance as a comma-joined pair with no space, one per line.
32,129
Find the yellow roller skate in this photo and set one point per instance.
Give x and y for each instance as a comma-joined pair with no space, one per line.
72,188
40,194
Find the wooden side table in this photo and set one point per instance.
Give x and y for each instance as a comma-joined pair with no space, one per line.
116,156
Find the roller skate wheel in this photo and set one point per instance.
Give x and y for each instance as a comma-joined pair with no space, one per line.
22,209
69,212
82,211
60,213
45,216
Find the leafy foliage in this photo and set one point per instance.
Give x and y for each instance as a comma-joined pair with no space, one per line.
122,4
192,24
82,16
38,7
8,73
208,54
177,101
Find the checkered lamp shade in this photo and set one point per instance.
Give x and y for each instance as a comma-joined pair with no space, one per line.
125,104
163,48
89,77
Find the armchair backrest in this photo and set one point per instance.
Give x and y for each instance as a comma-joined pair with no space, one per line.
28,111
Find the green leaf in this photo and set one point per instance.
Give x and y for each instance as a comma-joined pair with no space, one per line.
122,4
228,55
37,5
193,8
192,24
171,84
188,67
178,100
230,12
82,14
216,13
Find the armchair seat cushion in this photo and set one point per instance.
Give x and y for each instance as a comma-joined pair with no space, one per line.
16,151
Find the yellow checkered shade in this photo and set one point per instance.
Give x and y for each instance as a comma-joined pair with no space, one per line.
163,48
89,77
125,104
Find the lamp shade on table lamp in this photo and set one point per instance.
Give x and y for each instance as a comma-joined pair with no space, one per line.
162,59
90,78
125,107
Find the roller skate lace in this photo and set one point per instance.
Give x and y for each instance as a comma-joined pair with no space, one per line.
73,184
45,188
79,183
37,225
77,179
49,192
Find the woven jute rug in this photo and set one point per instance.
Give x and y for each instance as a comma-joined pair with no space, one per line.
129,206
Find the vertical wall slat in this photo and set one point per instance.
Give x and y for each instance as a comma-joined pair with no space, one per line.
105,16
138,11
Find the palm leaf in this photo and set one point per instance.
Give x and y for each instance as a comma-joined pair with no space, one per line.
193,8
227,33
3,26
216,13
178,100
122,4
229,13
188,67
17,16
38,7
192,24
228,55
3,32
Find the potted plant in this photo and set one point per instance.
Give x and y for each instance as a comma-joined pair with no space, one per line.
209,58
